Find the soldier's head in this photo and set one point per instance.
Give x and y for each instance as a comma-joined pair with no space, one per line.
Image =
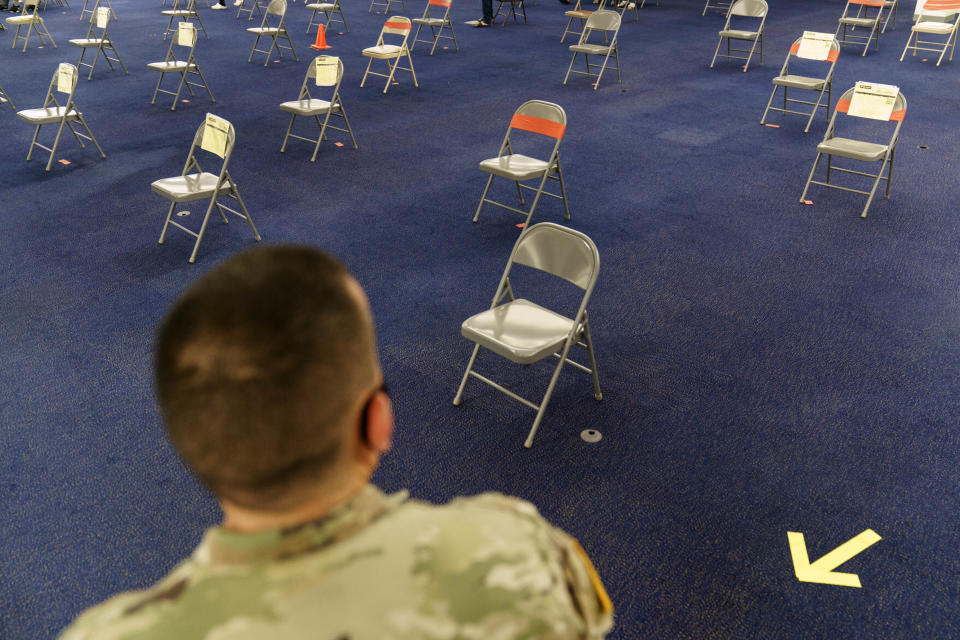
266,370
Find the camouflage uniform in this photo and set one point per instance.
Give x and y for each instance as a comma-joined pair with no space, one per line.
376,568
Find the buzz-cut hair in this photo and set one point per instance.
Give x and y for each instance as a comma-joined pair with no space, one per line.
258,368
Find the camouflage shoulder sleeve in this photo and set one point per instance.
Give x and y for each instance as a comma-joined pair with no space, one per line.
586,588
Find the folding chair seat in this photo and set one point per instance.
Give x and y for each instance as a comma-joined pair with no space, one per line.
861,150
28,22
185,11
579,14
935,18
607,23
512,11
751,9
323,71
64,81
817,47
394,26
385,4
436,25
544,119
864,18
97,3
217,137
525,332
719,5
331,12
273,27
98,40
186,38
251,6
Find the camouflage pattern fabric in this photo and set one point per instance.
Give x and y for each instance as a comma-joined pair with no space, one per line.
376,568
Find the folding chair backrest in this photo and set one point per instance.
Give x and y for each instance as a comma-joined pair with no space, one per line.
64,81
751,8
396,25
861,4
559,251
539,116
29,5
95,23
938,11
198,144
311,77
603,20
276,8
440,3
899,105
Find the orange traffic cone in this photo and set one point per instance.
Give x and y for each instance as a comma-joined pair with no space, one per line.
321,42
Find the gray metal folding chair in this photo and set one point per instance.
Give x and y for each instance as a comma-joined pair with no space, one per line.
217,137
331,12
511,12
864,151
436,24
186,65
249,7
96,3
864,18
273,27
394,26
608,24
64,81
28,22
323,71
752,10
719,5
890,17
544,119
385,4
98,41
819,84
524,332
935,18
185,11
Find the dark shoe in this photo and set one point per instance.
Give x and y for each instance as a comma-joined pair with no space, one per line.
564,1
482,22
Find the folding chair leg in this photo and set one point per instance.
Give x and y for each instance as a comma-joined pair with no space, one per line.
597,394
393,70
603,67
412,72
457,399
286,137
476,216
816,107
349,128
243,207
546,397
166,222
563,190
873,190
813,170
93,139
571,65
33,143
750,55
717,52
56,142
203,227
364,79
763,118
889,173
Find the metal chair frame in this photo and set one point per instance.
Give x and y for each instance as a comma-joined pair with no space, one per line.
255,5
5,98
830,148
436,25
395,25
718,5
605,22
276,31
743,9
32,22
330,10
103,45
563,253
172,64
941,17
63,115
307,105
190,187
512,12
542,118
84,10
577,13
186,15
805,83
847,24
385,4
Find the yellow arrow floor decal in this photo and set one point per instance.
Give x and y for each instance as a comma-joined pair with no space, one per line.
822,570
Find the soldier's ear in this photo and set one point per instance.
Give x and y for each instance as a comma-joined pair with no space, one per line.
377,429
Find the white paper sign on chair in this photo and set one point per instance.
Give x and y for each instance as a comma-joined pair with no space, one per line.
185,34
65,77
871,100
815,45
215,135
326,70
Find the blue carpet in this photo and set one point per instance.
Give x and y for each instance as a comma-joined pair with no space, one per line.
766,366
